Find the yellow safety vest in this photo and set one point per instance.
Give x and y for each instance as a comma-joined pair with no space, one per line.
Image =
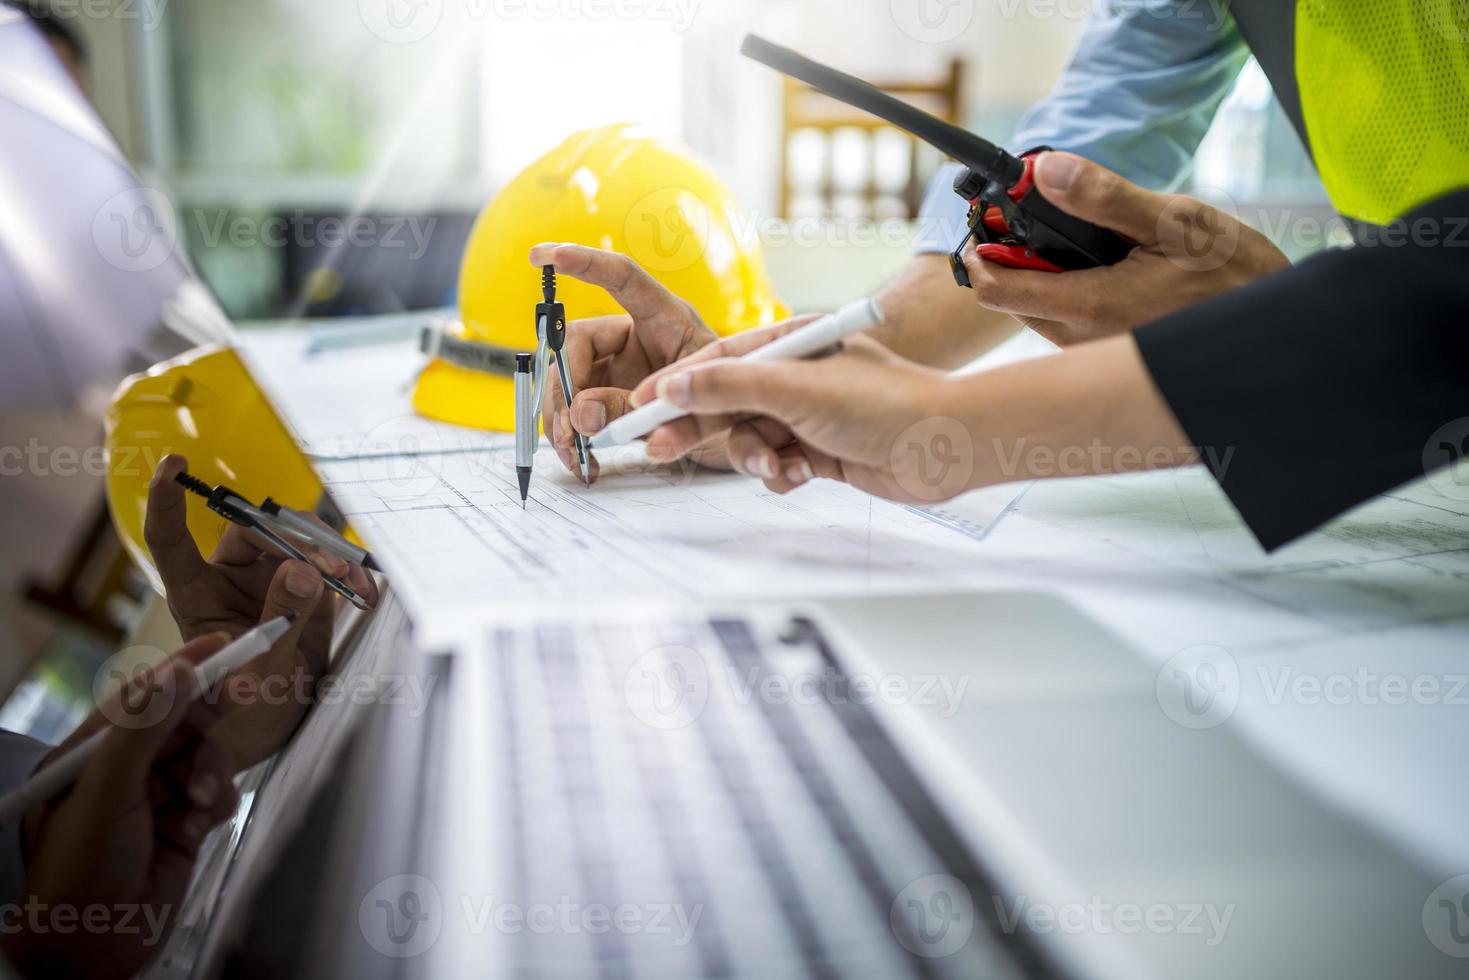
1384,89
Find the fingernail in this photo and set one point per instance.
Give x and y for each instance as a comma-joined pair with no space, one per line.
678,390
301,583
593,417
635,400
758,464
159,474
1057,170
204,789
799,472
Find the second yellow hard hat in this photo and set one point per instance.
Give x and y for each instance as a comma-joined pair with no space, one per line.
616,188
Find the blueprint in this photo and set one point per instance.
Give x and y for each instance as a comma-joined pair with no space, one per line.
348,402
451,527
439,506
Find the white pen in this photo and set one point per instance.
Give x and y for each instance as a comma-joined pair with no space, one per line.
854,318
64,771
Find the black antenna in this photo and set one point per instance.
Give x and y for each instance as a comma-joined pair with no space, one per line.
973,151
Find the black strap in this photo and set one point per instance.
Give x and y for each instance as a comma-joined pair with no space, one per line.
468,354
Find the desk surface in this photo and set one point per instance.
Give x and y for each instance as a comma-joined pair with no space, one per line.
1346,654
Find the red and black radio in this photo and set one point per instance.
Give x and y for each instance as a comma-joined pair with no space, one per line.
1012,222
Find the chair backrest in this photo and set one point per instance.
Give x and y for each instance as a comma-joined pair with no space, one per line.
837,160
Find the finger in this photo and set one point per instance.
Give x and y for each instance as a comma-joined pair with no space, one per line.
166,528
737,345
354,575
206,799
592,409
1063,296
140,686
197,772
364,583
296,590
592,340
800,464
794,469
751,453
241,546
1094,193
634,290
683,436
775,389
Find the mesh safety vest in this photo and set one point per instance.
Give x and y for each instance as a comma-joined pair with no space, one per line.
1378,90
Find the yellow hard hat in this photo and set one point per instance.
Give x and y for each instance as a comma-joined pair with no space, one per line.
202,405
617,188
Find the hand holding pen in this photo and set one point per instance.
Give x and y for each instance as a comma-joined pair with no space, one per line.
242,584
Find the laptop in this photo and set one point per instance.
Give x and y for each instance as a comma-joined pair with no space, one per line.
930,786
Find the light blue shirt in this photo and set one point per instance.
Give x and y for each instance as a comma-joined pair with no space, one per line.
1137,97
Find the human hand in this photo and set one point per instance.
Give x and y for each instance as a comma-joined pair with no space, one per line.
242,585
1188,251
844,417
609,356
125,837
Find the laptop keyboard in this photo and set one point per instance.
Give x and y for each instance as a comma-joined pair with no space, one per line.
693,798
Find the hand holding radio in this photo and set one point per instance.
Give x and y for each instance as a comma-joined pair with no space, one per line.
1187,252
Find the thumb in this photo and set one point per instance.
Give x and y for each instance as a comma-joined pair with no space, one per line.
1093,193
296,589
593,408
740,387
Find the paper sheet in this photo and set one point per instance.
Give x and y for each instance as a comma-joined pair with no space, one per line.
347,403
451,532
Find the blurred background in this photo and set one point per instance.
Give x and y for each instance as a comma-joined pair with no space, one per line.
270,123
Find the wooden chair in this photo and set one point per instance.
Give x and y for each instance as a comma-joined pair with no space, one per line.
813,123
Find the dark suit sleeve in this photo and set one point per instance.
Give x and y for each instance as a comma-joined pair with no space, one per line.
19,758
1318,388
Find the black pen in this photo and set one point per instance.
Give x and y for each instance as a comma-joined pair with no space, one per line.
236,509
